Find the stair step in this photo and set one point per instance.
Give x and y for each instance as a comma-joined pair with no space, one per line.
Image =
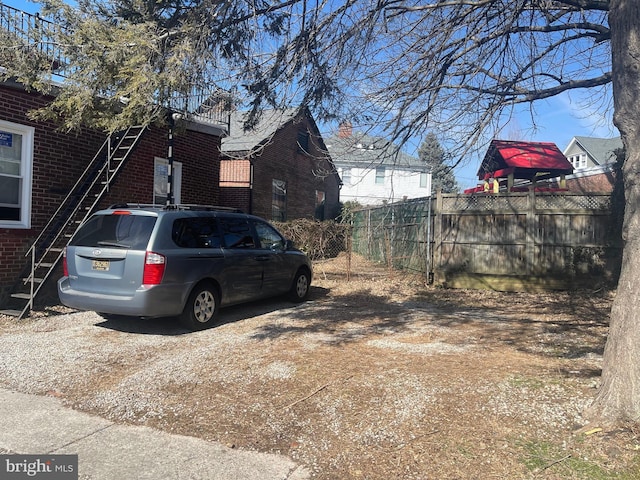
11,313
35,280
45,265
23,296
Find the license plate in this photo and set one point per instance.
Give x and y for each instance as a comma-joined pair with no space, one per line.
101,265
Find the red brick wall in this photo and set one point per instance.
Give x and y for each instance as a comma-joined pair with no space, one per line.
236,197
59,159
199,154
282,160
602,182
200,157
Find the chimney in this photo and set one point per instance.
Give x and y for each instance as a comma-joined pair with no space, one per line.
345,129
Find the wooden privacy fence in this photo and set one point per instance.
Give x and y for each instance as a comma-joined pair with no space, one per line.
514,241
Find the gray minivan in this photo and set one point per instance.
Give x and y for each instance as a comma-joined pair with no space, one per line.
184,261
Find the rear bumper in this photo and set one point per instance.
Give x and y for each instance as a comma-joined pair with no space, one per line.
154,301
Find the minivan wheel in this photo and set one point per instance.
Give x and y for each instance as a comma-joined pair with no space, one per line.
202,307
300,287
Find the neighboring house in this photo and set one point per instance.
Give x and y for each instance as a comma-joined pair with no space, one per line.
374,171
279,170
50,180
594,162
586,152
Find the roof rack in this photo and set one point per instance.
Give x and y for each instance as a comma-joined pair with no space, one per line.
178,206
189,206
135,205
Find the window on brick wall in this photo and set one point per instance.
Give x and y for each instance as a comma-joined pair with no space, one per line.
303,141
16,165
161,181
319,207
279,201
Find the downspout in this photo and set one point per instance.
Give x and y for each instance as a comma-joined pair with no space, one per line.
170,160
250,187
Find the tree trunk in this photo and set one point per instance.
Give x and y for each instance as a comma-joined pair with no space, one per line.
619,396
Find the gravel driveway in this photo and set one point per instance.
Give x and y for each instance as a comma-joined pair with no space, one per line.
377,377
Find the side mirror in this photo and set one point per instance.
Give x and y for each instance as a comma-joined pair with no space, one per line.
288,245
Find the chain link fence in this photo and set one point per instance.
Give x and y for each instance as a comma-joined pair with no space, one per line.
396,235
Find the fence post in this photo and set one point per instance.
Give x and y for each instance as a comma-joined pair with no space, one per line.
429,262
437,238
349,253
530,237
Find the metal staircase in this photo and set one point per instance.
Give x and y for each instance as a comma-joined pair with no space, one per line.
46,250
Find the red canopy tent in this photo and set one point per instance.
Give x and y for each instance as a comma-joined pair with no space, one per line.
529,161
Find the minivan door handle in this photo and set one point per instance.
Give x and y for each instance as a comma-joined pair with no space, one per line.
262,258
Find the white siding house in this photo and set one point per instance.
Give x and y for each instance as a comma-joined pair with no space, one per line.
586,152
374,171
594,163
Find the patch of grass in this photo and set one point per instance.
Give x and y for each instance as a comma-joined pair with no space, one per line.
533,383
543,456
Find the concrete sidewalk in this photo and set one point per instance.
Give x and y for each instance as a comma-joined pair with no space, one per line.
32,424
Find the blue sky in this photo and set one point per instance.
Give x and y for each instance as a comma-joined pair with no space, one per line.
558,120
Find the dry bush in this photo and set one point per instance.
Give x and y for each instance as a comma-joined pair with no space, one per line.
319,240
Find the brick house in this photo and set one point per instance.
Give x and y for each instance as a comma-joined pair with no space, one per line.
46,180
279,170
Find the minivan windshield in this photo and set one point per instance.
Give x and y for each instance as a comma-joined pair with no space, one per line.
119,231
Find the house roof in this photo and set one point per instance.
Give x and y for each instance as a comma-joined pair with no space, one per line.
526,160
601,150
366,151
269,123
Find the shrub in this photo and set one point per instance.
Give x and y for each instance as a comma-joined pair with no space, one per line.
319,240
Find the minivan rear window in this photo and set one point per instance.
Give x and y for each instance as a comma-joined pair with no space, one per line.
119,231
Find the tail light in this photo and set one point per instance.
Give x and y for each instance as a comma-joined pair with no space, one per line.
65,268
154,264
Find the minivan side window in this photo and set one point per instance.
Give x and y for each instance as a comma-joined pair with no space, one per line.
237,233
268,236
196,232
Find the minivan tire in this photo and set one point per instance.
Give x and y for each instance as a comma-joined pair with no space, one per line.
201,309
300,286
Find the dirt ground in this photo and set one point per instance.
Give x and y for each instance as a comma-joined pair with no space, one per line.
376,377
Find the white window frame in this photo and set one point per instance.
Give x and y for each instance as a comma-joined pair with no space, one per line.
346,176
159,162
26,173
380,175
424,180
578,161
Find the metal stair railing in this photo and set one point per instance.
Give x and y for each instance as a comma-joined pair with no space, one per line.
47,249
